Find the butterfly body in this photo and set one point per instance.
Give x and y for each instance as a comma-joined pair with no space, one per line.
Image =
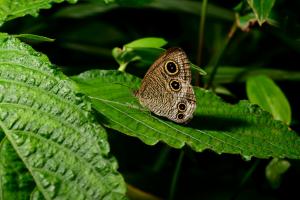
166,88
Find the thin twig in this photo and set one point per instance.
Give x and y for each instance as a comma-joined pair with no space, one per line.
176,175
246,177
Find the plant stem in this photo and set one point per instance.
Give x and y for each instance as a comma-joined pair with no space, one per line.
220,53
161,160
201,38
245,178
122,67
176,175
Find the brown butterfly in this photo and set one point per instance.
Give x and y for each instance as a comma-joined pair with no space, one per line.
166,88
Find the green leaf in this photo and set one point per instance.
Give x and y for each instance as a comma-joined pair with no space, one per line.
198,69
261,9
15,180
246,21
146,56
34,37
263,91
36,195
145,50
51,128
224,128
10,9
149,42
274,171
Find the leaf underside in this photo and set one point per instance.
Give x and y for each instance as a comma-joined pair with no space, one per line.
51,128
242,128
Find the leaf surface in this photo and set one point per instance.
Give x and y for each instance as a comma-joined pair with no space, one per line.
10,9
51,128
262,91
15,180
242,128
261,9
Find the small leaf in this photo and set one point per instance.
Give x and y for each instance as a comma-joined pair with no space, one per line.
145,50
224,128
10,9
150,42
246,21
51,128
34,37
15,180
263,91
198,69
261,9
274,171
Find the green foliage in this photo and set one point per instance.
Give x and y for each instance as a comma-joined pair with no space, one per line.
11,9
242,128
147,42
260,12
37,38
263,91
16,181
51,128
275,170
53,144
36,195
261,9
144,50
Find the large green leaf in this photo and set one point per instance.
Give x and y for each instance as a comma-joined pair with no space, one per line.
15,180
10,9
262,91
224,128
51,128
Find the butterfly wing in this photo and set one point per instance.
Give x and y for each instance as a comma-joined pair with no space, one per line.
179,57
166,88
